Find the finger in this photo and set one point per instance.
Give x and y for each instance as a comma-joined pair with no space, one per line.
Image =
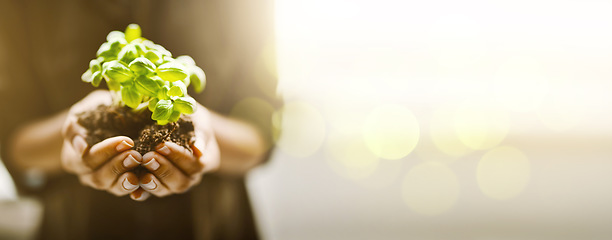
75,134
79,144
73,161
166,172
108,173
127,183
100,153
140,195
211,156
72,128
151,184
181,157
198,148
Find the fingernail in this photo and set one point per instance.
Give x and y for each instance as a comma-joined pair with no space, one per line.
79,144
152,164
130,161
151,185
139,195
143,196
198,147
135,195
196,151
128,185
123,146
164,150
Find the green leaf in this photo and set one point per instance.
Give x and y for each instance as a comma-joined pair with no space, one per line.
112,84
146,86
174,116
152,55
138,40
185,60
160,82
177,89
95,65
128,83
171,71
142,66
87,76
148,44
186,81
117,43
140,48
163,60
114,35
198,78
106,52
163,92
166,58
162,122
117,71
186,105
163,110
103,48
159,48
97,78
162,50
128,53
132,32
130,96
152,104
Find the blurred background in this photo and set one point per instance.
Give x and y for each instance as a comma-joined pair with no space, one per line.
434,120
441,120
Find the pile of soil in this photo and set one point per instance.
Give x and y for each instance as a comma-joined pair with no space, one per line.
110,121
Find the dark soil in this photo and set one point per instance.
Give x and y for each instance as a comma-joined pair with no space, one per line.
110,121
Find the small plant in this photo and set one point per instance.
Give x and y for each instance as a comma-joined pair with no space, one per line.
143,75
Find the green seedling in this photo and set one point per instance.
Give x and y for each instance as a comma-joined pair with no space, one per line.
144,76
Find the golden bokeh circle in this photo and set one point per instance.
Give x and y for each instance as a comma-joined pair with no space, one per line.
349,156
391,131
503,173
443,134
480,125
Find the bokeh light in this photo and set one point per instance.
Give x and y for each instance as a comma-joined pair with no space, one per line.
480,125
443,134
303,129
430,188
503,173
477,75
391,131
348,154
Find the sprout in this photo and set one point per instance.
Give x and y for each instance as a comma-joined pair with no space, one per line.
144,76
132,32
172,71
146,86
185,105
142,66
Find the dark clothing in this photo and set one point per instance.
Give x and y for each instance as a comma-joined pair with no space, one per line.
46,45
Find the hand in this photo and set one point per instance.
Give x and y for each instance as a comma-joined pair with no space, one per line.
174,169
107,164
